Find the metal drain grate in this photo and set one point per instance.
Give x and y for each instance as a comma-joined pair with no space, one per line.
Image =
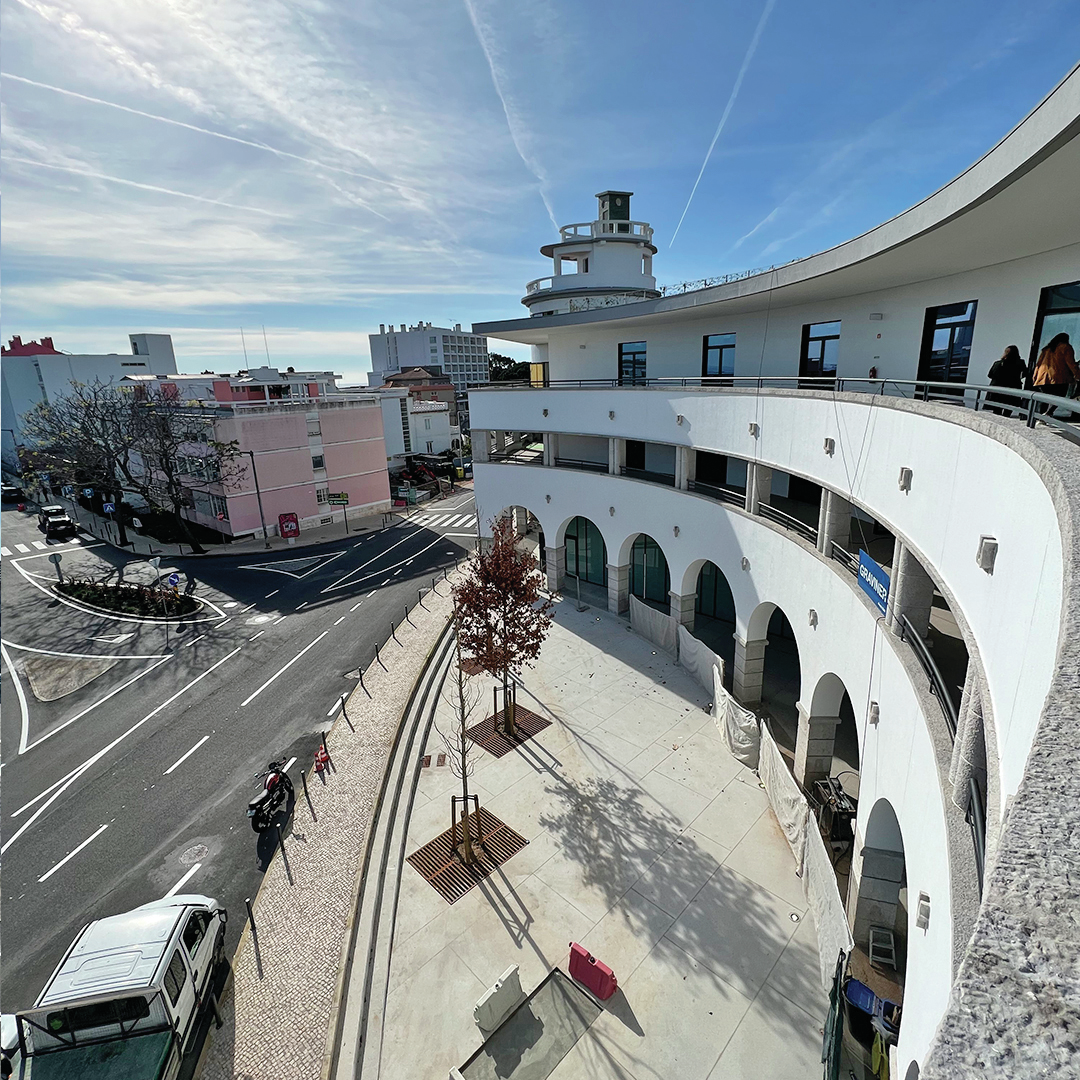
439,864
488,733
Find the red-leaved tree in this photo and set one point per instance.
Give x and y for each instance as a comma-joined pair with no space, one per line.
501,620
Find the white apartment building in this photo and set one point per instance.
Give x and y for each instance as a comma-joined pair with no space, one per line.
463,357
742,458
36,371
411,426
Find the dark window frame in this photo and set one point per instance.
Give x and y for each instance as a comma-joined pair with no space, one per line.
805,360
632,363
723,352
1040,319
947,317
170,976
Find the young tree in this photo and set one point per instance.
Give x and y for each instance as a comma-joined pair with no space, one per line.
462,696
501,623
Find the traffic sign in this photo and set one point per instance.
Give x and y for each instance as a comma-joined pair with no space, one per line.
136,522
288,525
109,508
338,498
174,579
88,492
67,489
55,557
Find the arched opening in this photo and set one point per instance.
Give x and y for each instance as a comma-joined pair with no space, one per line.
781,679
586,560
650,579
714,612
878,913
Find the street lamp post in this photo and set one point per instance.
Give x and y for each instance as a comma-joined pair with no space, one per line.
258,495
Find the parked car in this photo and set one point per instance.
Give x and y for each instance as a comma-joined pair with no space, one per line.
125,999
54,521
11,493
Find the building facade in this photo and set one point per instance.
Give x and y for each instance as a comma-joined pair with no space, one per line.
35,371
462,356
740,457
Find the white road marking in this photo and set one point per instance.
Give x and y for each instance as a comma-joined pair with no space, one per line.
119,639
224,621
5,552
281,671
334,708
371,594
269,594
254,636
326,560
386,582
20,695
71,854
355,606
184,880
23,747
242,610
188,644
230,603
341,620
39,545
23,548
398,570
180,761
276,621
303,605
289,764
469,534
65,782
374,558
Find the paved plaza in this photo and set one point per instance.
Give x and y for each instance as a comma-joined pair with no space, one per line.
650,845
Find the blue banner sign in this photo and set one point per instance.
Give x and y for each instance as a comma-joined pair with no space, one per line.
874,581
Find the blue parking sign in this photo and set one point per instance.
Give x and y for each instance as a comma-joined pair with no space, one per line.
88,492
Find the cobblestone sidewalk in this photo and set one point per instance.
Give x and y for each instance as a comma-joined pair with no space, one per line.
278,1007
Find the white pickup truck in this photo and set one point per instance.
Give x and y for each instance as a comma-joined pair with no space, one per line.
124,1002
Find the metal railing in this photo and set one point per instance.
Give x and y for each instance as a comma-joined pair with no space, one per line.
845,558
807,532
577,463
587,230
976,818
715,491
519,456
938,686
1027,405
667,479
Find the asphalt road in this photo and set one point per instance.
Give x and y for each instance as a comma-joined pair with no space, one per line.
136,782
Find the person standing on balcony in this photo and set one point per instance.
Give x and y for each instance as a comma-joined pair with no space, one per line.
1009,371
1055,370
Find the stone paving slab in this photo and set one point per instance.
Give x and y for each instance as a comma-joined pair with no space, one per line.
283,993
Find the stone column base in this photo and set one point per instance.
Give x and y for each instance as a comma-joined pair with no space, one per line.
749,671
618,578
682,608
556,567
814,747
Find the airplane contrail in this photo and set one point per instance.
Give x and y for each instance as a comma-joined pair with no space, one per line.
769,5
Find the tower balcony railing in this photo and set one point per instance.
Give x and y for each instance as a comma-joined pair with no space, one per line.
598,230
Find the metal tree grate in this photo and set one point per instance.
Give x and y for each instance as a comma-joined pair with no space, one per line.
442,867
488,733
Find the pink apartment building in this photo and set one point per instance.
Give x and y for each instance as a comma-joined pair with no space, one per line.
307,440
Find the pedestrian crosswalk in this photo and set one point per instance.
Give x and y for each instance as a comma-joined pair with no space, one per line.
446,521
40,545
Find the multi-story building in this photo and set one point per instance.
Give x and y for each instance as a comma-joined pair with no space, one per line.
745,458
412,425
296,433
34,371
462,356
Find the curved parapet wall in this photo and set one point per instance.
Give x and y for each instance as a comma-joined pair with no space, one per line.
971,476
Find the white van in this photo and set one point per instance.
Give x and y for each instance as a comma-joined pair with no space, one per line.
125,999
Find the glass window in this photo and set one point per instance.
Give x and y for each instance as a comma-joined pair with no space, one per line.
1059,313
322,495
432,340
632,363
820,350
649,575
195,931
717,355
586,555
175,976
318,461
946,348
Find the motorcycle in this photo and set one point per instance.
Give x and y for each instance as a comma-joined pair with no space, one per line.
276,791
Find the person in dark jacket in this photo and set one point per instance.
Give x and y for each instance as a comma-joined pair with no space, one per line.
1009,371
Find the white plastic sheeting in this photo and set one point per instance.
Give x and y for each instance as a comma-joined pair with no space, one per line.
738,726
811,859
654,625
699,659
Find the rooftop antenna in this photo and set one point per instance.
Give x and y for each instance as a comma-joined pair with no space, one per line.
266,347
244,343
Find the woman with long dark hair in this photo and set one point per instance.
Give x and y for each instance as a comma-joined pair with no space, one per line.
1008,371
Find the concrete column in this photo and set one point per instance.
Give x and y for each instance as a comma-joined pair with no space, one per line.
684,467
481,446
616,455
758,486
749,670
551,447
911,592
682,608
521,520
556,567
969,747
834,521
500,441
873,890
814,746
618,588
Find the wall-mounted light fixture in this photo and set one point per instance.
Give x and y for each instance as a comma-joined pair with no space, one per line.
679,419
545,412
753,429
611,510
675,530
876,316
830,447
548,498
611,414
745,563
582,346
905,479
875,713
922,917
987,553
813,617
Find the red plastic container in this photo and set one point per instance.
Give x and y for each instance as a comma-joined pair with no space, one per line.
591,973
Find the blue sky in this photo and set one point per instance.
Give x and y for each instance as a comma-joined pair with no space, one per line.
320,166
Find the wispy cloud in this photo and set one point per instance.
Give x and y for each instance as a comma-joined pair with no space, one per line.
514,120
752,48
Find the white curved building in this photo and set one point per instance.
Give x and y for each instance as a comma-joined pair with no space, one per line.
726,454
